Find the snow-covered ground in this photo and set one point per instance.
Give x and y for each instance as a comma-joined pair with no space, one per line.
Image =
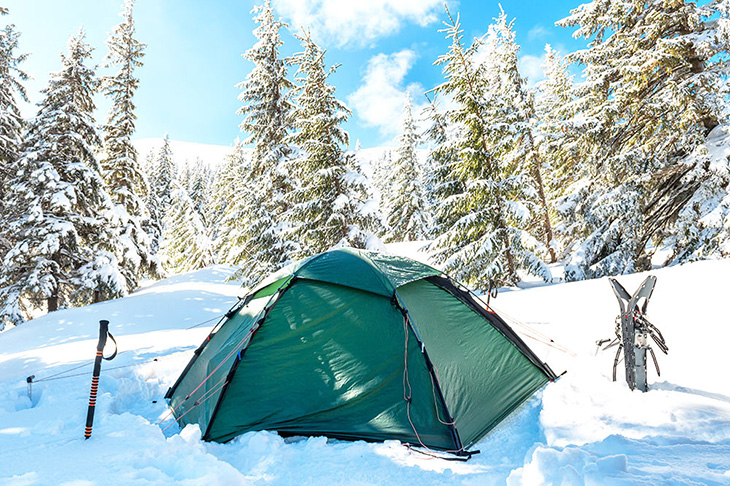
582,429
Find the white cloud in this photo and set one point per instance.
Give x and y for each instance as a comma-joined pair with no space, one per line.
530,67
379,101
537,32
357,22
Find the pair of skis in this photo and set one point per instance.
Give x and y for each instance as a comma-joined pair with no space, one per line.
633,331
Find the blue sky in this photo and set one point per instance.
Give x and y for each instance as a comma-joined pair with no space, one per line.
193,58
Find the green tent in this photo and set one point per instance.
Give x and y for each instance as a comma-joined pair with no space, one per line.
352,344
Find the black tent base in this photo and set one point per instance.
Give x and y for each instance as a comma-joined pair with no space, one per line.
463,455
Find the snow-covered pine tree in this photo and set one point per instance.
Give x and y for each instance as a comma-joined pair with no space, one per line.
485,219
655,87
11,88
381,174
227,187
256,212
440,163
555,112
147,167
367,172
404,202
122,173
266,98
185,175
329,205
557,147
186,243
11,123
159,199
702,228
59,224
378,177
148,164
518,122
199,189
557,141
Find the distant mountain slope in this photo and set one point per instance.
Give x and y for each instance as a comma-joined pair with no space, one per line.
212,155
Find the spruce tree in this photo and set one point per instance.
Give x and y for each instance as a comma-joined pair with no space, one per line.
381,176
266,98
11,90
654,89
149,226
329,205
702,228
378,178
122,173
199,189
555,111
405,202
11,123
186,242
61,251
440,163
518,120
255,214
485,218
558,126
255,239
159,199
228,215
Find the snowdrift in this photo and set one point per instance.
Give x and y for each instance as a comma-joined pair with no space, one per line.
583,429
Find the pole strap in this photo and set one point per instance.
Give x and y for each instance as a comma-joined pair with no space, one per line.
116,348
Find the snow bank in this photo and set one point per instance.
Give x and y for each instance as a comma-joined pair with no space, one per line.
584,429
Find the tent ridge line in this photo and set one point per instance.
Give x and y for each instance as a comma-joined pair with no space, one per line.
259,322
458,445
375,268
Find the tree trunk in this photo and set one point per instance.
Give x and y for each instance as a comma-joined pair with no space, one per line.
546,226
513,278
52,300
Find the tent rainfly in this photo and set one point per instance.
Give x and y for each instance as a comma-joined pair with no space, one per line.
358,345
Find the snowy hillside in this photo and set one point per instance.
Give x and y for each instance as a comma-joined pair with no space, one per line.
583,429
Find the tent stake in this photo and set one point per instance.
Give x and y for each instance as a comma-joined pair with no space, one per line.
29,380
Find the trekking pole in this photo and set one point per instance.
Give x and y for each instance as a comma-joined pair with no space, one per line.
103,333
